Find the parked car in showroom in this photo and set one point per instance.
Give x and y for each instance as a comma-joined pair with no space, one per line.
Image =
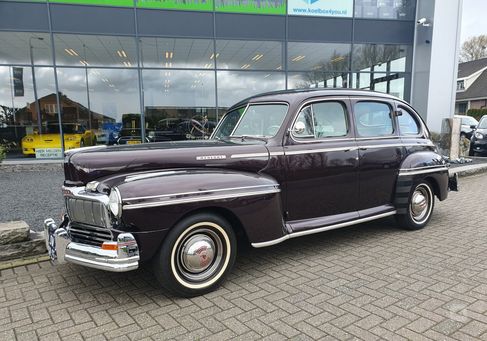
75,136
478,142
467,125
278,166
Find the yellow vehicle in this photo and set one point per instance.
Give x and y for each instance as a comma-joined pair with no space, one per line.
75,136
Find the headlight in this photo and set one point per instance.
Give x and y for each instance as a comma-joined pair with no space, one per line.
28,139
115,202
71,138
479,136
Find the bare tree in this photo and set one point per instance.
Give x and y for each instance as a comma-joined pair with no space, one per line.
474,48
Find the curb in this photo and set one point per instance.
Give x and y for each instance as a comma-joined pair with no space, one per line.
13,263
468,170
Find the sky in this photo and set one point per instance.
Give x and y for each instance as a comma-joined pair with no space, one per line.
474,22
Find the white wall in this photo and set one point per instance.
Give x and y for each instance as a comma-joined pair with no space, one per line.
436,60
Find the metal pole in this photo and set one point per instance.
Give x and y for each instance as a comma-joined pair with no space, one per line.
87,90
34,84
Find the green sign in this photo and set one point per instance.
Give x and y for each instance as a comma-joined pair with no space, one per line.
195,5
252,6
125,3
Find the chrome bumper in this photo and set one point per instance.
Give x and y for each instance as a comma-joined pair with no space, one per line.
117,256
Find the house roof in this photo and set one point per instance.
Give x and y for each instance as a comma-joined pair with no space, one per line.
477,90
468,68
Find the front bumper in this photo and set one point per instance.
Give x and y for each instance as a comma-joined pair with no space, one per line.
117,256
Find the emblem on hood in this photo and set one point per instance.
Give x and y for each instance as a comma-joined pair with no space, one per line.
211,157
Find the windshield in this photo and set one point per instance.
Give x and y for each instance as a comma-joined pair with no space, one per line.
67,129
483,123
469,121
259,120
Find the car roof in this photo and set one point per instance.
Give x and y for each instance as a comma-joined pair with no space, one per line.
301,94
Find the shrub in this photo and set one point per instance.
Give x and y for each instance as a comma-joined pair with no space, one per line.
477,113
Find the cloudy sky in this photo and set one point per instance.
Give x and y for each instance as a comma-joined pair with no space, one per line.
474,21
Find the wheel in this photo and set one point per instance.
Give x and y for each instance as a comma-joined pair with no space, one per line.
420,208
196,255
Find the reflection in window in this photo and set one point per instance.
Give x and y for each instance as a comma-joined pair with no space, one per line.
25,48
392,83
234,86
318,57
385,9
179,104
373,119
315,79
23,120
177,53
261,120
91,50
251,55
375,57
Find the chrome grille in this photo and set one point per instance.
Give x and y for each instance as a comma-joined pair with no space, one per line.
88,212
91,235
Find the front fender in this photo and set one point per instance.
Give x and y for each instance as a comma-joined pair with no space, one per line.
156,201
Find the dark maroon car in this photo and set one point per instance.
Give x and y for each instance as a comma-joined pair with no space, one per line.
278,166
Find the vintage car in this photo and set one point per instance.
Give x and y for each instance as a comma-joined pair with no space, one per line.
75,136
278,166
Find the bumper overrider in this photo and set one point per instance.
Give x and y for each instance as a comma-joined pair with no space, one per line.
118,254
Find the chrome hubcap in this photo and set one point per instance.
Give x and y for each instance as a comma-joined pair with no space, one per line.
420,203
200,255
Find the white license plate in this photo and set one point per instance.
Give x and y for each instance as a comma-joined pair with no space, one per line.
49,153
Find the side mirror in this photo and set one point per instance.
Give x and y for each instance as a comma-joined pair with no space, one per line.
473,126
299,128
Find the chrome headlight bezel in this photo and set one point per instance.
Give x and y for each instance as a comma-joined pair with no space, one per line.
115,202
479,136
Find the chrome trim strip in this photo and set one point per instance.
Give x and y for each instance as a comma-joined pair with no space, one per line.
131,178
276,153
199,199
418,168
321,150
322,229
209,191
425,171
250,155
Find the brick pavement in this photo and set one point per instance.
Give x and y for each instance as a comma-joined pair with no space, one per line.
369,282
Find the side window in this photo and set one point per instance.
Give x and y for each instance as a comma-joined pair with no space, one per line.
330,119
407,123
373,119
320,120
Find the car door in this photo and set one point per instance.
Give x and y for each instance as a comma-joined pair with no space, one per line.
380,153
321,160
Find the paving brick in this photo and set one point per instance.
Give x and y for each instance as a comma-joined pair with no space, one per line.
372,281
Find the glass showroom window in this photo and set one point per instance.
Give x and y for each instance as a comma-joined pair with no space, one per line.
95,50
177,53
249,55
234,86
381,58
317,79
179,104
392,83
25,48
385,9
318,57
114,105
29,127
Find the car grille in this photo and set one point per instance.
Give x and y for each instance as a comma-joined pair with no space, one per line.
91,235
89,212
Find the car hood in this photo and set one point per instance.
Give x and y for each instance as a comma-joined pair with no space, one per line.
92,163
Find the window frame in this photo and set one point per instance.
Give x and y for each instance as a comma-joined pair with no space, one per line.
344,101
414,116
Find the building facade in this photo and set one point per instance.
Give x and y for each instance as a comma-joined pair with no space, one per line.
471,86
155,70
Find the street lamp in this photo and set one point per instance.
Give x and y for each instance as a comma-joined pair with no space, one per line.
34,82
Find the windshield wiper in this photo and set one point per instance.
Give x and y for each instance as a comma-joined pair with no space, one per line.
247,137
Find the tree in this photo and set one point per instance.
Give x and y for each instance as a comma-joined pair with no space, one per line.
474,48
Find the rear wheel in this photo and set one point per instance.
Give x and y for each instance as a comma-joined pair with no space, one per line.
420,207
196,255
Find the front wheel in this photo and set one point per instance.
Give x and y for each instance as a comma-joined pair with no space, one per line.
420,207
196,255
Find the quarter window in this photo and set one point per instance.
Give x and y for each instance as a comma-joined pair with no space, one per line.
321,120
407,123
373,119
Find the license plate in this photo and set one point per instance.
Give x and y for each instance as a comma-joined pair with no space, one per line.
133,142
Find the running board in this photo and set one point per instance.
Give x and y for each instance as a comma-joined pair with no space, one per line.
322,229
